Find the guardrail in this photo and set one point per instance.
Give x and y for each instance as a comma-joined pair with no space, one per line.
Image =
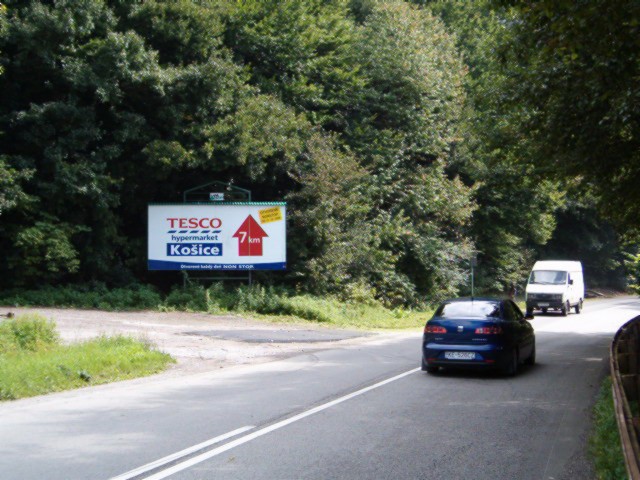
625,374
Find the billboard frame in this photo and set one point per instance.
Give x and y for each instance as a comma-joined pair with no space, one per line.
205,192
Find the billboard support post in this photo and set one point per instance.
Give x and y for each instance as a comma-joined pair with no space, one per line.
225,190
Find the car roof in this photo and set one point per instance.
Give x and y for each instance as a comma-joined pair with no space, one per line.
475,307
475,299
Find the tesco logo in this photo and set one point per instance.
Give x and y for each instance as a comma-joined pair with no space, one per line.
194,222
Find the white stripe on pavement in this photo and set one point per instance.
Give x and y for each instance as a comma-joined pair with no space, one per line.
182,453
263,431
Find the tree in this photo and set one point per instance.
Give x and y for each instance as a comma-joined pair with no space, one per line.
574,68
516,212
111,105
107,108
389,86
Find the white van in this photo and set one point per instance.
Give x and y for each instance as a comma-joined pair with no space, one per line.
557,285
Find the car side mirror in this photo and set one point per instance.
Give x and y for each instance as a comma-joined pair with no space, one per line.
571,281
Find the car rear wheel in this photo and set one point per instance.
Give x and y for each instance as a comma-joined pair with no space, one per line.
579,306
510,368
428,368
532,358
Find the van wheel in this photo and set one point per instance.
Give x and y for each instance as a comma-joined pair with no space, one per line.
579,306
544,310
529,311
565,309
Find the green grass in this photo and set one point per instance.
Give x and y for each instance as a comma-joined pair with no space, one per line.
335,313
280,305
33,362
30,333
604,444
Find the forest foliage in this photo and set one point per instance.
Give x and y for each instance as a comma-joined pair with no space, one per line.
405,136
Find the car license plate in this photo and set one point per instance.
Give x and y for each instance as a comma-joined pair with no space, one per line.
459,355
543,304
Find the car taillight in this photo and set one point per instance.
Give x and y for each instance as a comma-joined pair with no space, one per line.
434,329
488,330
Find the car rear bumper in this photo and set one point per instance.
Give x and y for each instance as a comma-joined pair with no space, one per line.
484,355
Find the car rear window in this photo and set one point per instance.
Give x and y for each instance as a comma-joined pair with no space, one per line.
473,309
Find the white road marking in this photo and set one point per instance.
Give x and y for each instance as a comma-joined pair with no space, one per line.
263,431
180,454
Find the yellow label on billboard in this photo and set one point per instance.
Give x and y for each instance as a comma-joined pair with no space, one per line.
270,215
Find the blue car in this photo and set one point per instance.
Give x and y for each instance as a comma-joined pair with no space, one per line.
478,332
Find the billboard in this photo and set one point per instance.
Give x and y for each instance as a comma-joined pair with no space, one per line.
221,236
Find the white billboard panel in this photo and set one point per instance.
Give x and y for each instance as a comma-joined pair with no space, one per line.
239,236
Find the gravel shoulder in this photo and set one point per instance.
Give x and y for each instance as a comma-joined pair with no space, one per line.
202,342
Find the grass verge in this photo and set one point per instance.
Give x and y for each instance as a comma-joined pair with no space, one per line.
281,305
33,362
271,303
335,313
604,444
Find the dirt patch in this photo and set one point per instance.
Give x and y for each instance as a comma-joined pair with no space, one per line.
187,336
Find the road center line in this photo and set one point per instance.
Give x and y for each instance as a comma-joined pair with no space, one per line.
263,431
182,453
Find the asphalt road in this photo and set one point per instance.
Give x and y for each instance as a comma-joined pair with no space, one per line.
362,412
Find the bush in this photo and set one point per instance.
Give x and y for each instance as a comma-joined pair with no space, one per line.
137,297
330,310
358,309
632,263
361,313
31,332
260,299
134,297
192,298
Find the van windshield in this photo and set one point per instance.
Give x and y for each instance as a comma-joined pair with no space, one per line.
548,277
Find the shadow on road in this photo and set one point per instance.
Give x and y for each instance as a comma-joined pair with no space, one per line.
488,374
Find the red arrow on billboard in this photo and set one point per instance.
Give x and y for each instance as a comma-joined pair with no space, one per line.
250,235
